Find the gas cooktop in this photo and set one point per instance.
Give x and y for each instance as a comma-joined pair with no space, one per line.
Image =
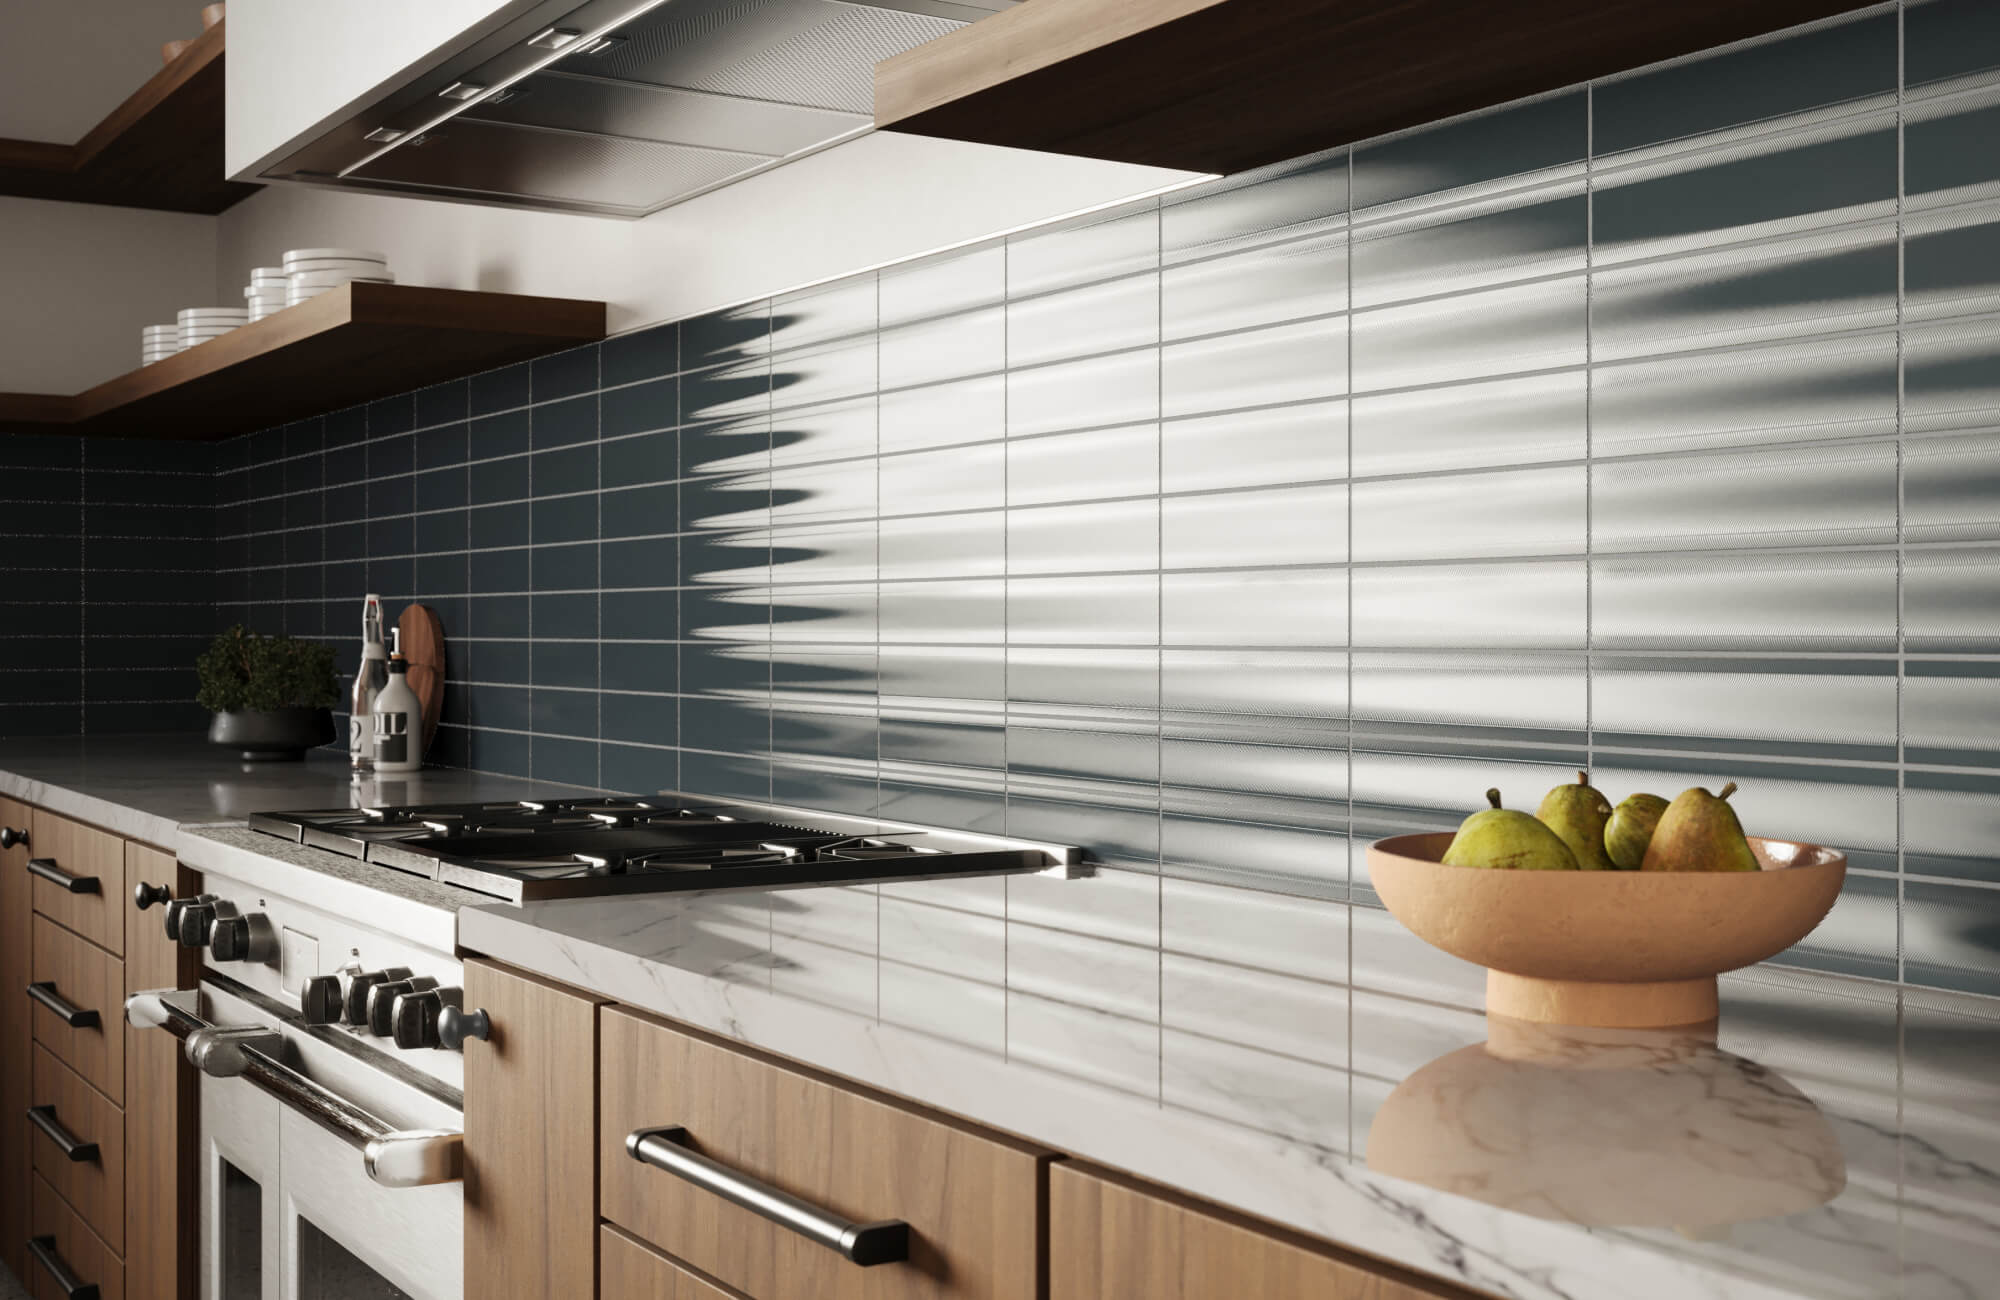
568,848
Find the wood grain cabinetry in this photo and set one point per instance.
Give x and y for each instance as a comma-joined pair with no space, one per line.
162,1182
632,1270
530,1134
15,1037
65,1242
94,1185
94,861
76,974
972,1199
1112,1236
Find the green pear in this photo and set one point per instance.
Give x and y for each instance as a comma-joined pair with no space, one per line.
1507,841
1699,832
1630,829
1577,813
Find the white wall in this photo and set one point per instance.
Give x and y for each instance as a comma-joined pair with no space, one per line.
78,281
875,199
64,64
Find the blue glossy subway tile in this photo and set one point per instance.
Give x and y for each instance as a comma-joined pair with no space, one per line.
564,470
1492,698
1093,536
396,414
565,374
1298,362
1538,326
829,553
391,537
725,775
730,335
443,444
1767,186
1828,388
833,734
810,494
1769,79
1947,937
844,614
1284,201
1254,529
1098,247
499,390
1822,283
23,451
1951,262
1542,234
500,571
638,512
822,313
1951,600
436,574
644,719
1120,822
438,489
1844,494
1537,604
1951,376
742,388
570,762
829,373
564,663
504,663
1824,708
1281,607
443,403
640,666
942,415
1105,316
565,519
1290,444
724,559
639,408
1951,712
730,446
1945,158
836,431
1111,609
1508,142
496,526
1949,38
1121,388
638,615
1307,685
1858,937
339,428
939,286
911,740
1471,426
564,712
728,725
560,424
646,458
642,354
952,675
1123,678
340,466
391,455
1825,601
499,435
1471,516
391,576
970,612
565,567
1293,861
741,615
1256,287
1082,752
443,530
1949,820
499,752
1097,463
498,616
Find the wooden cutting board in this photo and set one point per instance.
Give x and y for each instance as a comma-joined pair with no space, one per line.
421,636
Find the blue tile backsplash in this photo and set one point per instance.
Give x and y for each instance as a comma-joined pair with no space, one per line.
1650,426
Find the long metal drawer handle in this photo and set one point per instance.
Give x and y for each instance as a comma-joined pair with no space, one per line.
47,869
883,1242
44,1251
78,1150
391,1156
76,1017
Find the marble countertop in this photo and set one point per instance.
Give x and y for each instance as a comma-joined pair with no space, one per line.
1307,1062
1320,1067
146,787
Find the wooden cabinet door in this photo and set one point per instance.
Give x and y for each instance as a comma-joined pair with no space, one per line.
530,1139
93,857
1110,1236
632,1270
15,1035
972,1199
78,972
162,1176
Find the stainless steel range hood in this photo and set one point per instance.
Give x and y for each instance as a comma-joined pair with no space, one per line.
621,107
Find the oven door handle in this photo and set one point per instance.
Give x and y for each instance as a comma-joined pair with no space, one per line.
392,1157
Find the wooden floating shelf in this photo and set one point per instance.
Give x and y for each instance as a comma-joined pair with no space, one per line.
352,344
1227,85
161,148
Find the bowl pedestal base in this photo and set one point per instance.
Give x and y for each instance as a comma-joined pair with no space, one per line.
1615,1006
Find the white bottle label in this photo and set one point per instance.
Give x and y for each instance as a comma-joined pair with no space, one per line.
392,738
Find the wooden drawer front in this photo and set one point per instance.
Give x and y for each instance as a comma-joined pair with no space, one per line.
632,1270
77,1248
162,1165
972,1201
1110,1237
15,1036
94,1188
78,850
89,978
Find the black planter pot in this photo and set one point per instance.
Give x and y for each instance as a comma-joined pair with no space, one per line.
275,735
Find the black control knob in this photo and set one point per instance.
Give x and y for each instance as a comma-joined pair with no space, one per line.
198,922
322,1000
145,895
382,1002
243,938
456,1024
359,986
415,1016
9,837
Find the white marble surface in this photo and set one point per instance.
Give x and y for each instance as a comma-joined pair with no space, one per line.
1250,1059
145,787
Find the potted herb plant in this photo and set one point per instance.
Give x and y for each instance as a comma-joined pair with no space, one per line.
272,696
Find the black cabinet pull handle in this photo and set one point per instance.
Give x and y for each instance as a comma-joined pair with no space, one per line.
866,1244
44,1251
47,869
74,1016
9,837
145,895
78,1150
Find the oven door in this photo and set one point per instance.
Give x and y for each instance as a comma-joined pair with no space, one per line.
290,1208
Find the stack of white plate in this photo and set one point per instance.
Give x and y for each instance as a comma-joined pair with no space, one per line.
200,324
158,341
312,271
266,291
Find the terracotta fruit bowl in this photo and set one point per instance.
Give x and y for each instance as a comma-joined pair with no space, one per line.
1633,949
